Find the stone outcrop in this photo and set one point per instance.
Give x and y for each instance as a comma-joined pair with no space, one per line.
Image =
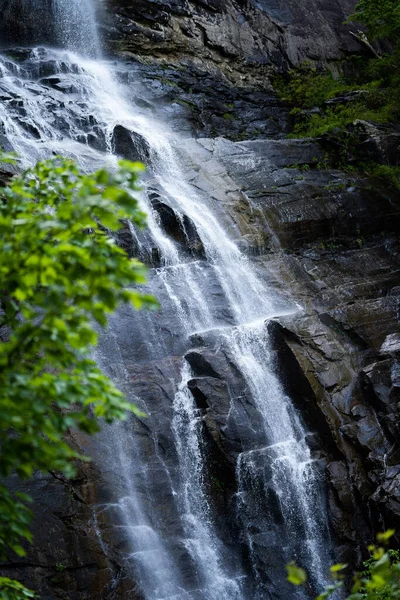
68,559
328,239
129,145
365,142
23,22
242,39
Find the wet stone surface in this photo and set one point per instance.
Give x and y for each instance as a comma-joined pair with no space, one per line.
323,238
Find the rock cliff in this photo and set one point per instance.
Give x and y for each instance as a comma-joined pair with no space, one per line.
326,238
243,39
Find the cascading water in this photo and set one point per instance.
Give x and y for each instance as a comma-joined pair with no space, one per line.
57,101
76,29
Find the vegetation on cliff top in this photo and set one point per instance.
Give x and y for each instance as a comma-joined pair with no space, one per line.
322,102
60,274
362,88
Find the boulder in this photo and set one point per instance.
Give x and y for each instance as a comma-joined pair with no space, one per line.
130,145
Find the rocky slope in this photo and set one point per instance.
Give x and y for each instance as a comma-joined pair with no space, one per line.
326,238
329,241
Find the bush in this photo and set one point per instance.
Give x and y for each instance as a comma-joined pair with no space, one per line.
380,579
368,87
60,273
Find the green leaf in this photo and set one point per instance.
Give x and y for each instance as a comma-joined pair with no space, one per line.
295,574
338,567
385,537
59,271
329,590
133,167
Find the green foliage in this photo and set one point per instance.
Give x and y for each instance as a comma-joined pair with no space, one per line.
295,574
307,87
60,274
374,96
380,579
388,173
13,590
339,117
367,88
381,18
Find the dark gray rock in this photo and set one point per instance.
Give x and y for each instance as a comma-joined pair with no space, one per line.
375,142
129,144
179,227
67,559
244,41
326,236
23,23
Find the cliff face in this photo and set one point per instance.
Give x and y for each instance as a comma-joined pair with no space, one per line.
242,39
323,237
331,240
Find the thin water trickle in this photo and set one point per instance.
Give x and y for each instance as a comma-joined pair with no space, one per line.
201,541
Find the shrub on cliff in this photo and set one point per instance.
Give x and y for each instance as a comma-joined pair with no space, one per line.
363,87
60,273
379,580
381,18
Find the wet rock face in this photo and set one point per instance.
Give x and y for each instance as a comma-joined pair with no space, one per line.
366,141
24,22
302,202
207,101
329,240
177,226
333,243
322,236
339,357
235,37
68,560
129,145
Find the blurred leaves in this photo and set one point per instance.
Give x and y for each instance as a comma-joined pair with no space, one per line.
60,273
380,579
296,575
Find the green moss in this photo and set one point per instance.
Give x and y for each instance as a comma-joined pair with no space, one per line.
305,87
324,104
338,117
241,136
375,79
333,187
329,244
228,117
185,103
217,484
167,81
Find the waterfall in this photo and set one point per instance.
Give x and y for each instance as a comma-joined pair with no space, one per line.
69,101
76,28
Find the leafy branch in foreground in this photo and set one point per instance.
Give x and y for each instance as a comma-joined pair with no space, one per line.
60,273
380,579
